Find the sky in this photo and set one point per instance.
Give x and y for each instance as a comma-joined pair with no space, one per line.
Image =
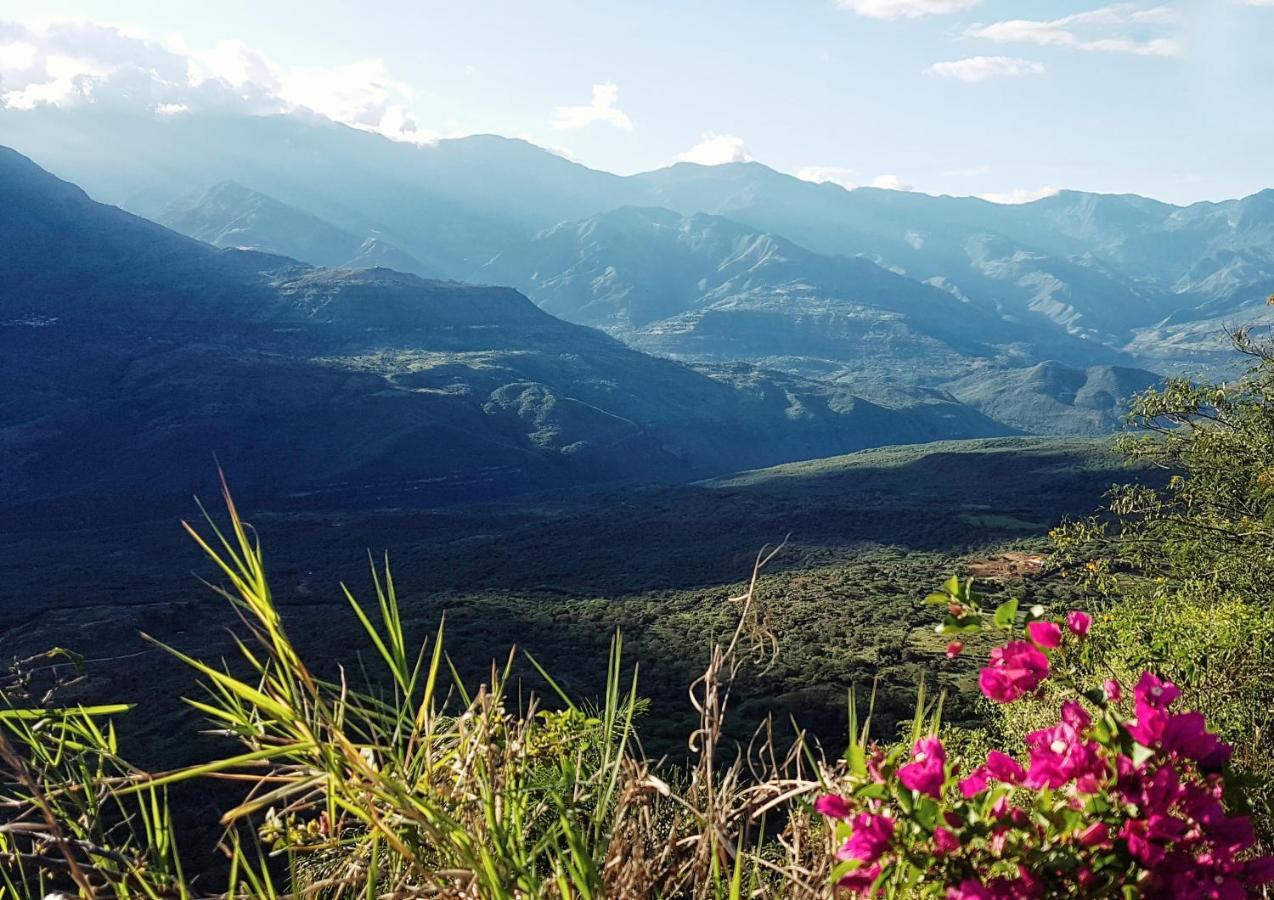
1006,99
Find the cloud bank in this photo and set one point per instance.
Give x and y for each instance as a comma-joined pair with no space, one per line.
74,63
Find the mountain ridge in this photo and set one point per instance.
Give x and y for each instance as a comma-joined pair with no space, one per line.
146,352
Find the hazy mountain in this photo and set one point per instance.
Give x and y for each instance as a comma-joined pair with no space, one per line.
704,288
231,215
1122,273
135,354
1051,398
452,205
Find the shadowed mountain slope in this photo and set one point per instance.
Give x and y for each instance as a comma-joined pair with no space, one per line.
136,354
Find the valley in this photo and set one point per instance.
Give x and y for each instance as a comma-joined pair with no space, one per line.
868,535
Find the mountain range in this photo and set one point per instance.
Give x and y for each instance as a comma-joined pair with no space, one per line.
302,315
1138,282
135,355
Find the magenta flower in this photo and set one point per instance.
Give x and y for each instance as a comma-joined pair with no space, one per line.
1060,755
1149,726
869,838
1014,670
1143,850
975,783
954,649
969,889
944,841
832,806
1259,870
859,881
927,773
1095,835
1114,692
1155,692
1004,767
1079,623
1186,735
1045,634
1075,715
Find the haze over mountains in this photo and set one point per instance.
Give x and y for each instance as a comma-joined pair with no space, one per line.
231,215
134,354
1147,282
750,317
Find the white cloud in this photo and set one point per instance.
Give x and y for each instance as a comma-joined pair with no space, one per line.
846,178
85,63
1020,195
17,56
604,108
980,68
1120,28
891,183
715,149
906,9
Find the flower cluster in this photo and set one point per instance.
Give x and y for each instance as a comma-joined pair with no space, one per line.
1109,801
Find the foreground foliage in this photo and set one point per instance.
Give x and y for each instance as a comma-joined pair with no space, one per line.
1183,576
1107,804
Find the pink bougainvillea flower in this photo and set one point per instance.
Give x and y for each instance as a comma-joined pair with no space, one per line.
927,773
859,881
1074,715
1014,670
1155,692
869,838
954,649
944,842
1231,835
1060,755
1079,623
1186,735
1004,767
1149,726
1143,850
1259,870
975,783
1045,634
969,889
832,806
1166,828
1114,692
1095,835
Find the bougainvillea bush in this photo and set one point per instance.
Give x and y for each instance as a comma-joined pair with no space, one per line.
1125,795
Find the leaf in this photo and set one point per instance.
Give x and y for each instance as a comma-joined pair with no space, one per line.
1006,614
1140,754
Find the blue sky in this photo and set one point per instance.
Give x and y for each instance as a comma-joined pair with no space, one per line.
999,97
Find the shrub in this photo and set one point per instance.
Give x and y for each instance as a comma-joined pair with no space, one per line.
1181,576
1107,804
